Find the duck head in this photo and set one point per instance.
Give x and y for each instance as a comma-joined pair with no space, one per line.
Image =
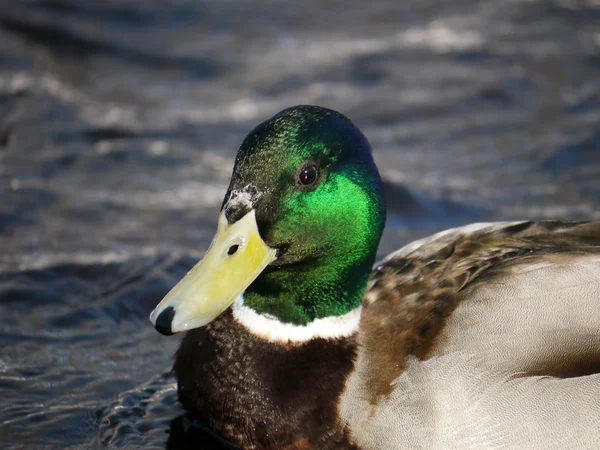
298,229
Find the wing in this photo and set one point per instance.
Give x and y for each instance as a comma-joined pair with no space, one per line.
485,336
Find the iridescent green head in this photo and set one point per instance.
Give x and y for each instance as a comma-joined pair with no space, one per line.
298,230
309,175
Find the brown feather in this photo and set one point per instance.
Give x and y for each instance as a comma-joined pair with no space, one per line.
411,294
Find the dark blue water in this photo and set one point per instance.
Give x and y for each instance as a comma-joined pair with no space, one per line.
119,122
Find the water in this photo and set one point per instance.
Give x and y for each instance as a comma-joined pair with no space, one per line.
119,122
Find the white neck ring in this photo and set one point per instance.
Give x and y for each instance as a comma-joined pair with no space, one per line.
271,329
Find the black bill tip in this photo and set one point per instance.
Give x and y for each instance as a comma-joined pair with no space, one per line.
164,320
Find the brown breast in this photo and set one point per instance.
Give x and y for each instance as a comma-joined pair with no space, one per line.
264,395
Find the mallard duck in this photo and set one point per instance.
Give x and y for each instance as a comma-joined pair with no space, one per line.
484,336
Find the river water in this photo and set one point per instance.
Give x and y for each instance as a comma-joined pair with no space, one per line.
119,122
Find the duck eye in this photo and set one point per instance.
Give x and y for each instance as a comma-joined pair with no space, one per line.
308,175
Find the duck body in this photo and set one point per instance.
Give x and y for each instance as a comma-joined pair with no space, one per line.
484,336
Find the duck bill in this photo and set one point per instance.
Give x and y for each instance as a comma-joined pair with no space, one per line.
235,258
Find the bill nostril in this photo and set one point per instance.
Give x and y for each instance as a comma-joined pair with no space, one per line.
164,320
233,249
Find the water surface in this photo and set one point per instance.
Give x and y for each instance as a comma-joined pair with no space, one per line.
119,122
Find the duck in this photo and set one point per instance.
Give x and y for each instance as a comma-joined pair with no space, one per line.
481,336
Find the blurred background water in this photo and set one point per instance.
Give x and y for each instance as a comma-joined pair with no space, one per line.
119,122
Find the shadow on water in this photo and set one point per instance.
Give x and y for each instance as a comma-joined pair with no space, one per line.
408,208
186,433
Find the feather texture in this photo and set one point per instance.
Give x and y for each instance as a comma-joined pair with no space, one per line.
482,337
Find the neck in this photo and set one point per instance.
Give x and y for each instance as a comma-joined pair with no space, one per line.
304,293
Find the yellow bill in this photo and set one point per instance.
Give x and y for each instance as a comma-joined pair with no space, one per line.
235,258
